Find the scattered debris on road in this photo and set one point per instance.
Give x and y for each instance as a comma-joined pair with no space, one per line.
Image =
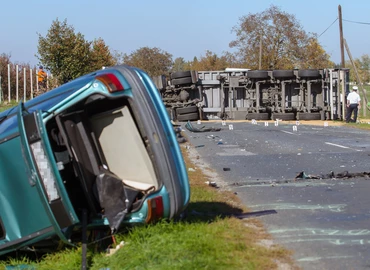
331,175
191,128
200,145
211,183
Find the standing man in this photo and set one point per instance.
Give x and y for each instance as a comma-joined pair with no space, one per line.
41,78
353,104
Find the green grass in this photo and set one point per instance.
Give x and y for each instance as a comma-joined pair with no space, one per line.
6,105
363,108
197,242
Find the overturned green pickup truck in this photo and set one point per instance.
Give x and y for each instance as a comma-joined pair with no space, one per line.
98,152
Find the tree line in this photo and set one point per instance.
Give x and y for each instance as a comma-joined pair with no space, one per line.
271,39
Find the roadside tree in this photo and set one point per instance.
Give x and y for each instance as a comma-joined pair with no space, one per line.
179,64
153,61
211,61
68,55
363,69
285,44
101,55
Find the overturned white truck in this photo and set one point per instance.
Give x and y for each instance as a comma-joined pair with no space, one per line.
239,94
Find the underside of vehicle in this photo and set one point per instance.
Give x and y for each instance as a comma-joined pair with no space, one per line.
103,158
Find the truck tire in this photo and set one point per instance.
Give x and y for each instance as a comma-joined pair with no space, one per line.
180,74
284,74
186,110
257,116
308,116
188,117
182,81
309,73
283,116
257,74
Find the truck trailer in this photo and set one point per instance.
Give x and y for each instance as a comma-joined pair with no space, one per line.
244,94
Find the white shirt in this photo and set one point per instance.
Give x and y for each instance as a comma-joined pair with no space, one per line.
353,98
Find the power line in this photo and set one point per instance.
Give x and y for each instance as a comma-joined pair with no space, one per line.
356,22
328,27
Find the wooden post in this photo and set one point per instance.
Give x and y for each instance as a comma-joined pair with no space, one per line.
24,85
260,56
356,73
31,77
16,83
364,105
9,83
343,63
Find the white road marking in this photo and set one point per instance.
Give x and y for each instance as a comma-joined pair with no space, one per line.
312,259
342,146
288,132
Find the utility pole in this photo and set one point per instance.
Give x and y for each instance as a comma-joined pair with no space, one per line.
260,58
343,64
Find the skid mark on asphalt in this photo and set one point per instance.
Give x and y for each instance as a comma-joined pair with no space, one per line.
314,259
329,236
234,150
288,132
335,242
291,206
316,231
342,146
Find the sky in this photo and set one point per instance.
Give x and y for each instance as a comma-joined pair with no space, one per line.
181,28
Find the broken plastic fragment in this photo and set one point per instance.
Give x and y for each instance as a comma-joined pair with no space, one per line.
191,128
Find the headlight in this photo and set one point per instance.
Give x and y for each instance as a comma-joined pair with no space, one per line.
46,173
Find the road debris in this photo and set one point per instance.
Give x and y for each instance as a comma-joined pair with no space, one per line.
191,128
331,175
200,145
211,184
111,251
226,169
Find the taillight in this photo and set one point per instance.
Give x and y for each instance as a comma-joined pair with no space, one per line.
111,82
155,209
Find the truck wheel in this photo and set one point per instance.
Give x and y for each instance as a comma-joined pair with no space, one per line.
257,74
180,74
181,81
283,116
308,116
283,74
186,110
309,73
187,117
257,116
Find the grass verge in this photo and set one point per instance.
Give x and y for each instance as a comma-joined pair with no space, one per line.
7,105
197,242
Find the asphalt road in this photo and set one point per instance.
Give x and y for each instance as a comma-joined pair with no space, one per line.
326,222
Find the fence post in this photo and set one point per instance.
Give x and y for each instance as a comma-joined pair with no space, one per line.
24,84
31,83
1,90
37,81
16,83
9,83
364,105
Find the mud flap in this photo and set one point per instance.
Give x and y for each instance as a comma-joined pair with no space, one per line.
114,198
